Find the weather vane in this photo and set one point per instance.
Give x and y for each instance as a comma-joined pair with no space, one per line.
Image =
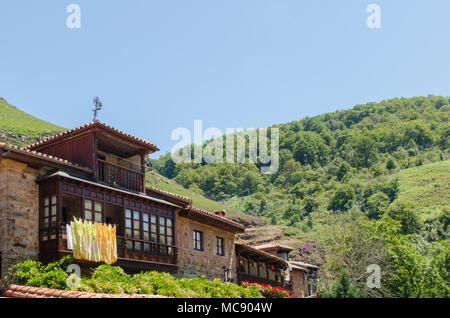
97,106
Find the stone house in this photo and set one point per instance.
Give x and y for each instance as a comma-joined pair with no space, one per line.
96,172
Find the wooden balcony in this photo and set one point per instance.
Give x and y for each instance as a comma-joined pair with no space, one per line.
120,177
131,253
261,280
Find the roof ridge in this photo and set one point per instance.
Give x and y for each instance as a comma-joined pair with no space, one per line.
170,193
93,123
215,215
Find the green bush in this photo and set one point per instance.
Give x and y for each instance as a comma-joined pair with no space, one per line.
34,273
113,280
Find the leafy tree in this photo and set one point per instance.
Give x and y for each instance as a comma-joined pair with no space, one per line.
405,213
366,149
377,205
311,149
342,198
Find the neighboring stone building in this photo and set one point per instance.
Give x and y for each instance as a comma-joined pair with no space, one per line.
297,277
97,172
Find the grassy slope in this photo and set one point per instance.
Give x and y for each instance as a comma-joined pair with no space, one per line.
20,128
427,186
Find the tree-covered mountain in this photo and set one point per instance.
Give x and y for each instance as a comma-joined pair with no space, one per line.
379,168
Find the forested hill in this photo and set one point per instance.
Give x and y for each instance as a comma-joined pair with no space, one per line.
367,185
328,161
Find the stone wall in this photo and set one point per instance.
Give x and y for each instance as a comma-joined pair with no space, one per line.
19,213
192,263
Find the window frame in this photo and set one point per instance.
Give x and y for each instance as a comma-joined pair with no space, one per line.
220,248
197,240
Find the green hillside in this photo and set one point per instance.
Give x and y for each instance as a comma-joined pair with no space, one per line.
354,186
156,180
428,186
19,128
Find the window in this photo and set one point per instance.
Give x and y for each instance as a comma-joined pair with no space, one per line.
133,228
219,246
93,211
198,240
49,218
150,228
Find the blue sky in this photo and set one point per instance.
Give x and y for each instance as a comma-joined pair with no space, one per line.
159,65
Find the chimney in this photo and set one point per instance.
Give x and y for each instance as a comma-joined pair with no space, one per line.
220,213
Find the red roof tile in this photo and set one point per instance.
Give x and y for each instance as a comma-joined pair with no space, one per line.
18,291
88,126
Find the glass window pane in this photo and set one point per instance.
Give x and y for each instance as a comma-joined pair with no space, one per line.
53,223
128,233
128,213
147,248
46,211
136,225
146,236
145,225
169,222
153,228
145,217
128,223
46,201
98,206
137,234
169,231
169,240
129,245
162,239
170,251
153,238
136,215
161,220
138,246
98,217
54,210
88,204
54,199
88,215
153,219
161,230
46,223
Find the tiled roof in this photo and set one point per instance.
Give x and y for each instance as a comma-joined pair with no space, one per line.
270,246
18,291
174,195
219,217
40,155
91,125
261,252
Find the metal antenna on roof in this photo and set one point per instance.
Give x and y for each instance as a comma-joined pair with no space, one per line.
97,106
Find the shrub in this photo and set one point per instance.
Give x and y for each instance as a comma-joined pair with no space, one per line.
113,280
34,273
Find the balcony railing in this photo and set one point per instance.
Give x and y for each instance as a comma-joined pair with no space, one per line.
141,250
261,280
120,177
128,249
